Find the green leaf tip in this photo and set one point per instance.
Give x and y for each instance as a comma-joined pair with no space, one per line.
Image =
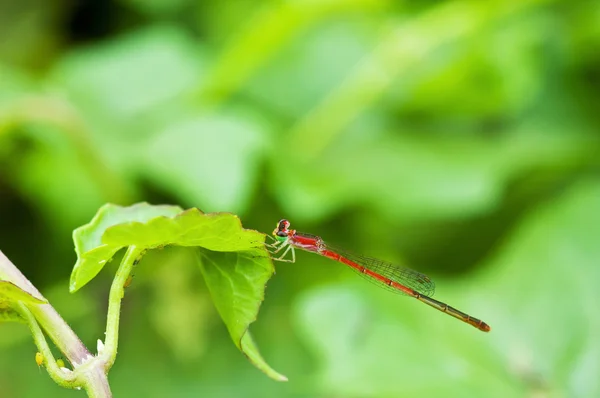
250,350
234,262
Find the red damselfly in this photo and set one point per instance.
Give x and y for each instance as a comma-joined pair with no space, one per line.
388,275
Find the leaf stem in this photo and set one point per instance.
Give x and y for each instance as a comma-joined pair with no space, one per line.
117,291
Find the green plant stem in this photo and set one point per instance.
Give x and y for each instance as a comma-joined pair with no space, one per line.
56,328
61,377
96,384
117,291
87,370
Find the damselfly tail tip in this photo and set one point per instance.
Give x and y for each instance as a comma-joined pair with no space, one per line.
484,327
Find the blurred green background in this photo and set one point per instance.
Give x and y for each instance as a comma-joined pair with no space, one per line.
458,138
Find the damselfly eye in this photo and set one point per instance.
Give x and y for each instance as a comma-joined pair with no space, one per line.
283,225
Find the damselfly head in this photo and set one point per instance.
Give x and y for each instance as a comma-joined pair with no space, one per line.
282,229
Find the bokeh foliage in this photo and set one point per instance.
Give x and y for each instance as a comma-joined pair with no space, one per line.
457,137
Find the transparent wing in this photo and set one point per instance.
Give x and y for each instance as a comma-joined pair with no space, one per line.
417,281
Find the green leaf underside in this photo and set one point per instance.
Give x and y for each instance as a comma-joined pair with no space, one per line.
235,282
234,263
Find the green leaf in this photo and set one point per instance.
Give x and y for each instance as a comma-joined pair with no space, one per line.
213,231
236,281
11,294
92,253
234,262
